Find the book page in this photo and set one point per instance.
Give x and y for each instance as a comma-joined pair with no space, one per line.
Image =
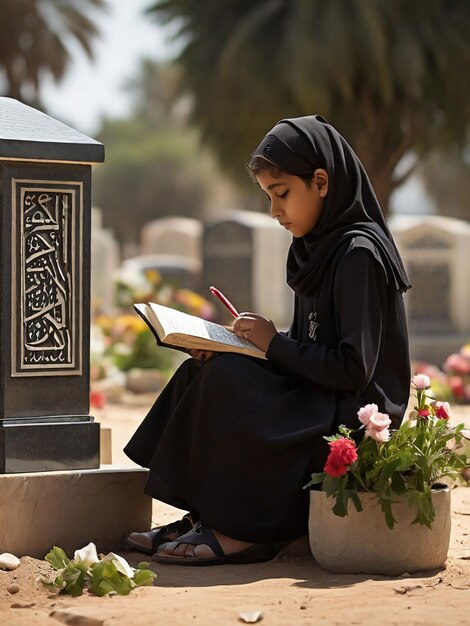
173,321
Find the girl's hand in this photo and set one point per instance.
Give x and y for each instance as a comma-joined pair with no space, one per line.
255,328
202,355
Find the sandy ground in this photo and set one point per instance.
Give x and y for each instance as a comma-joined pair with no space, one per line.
291,590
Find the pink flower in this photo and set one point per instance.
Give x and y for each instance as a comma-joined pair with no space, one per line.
381,436
457,386
457,363
342,455
423,412
421,381
364,414
430,370
441,410
379,421
378,427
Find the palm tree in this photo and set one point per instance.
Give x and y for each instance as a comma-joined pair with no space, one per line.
391,76
35,38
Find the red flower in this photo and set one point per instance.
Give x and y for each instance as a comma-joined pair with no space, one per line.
342,455
97,400
441,410
423,412
457,386
335,470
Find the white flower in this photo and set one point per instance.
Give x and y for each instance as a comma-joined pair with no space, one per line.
121,564
87,555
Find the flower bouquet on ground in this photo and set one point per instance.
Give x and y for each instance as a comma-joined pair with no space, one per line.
405,463
111,574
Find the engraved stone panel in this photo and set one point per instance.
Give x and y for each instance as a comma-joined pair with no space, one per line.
46,277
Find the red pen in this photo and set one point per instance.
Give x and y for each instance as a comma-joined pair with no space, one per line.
215,292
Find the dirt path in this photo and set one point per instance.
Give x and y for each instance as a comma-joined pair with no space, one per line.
291,590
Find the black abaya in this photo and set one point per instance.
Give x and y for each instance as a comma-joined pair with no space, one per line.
234,440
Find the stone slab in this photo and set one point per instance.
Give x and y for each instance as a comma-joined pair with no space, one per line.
49,445
26,133
106,447
70,509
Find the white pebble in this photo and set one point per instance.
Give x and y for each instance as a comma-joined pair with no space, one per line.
9,561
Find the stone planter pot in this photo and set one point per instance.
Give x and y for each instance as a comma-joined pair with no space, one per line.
363,543
140,380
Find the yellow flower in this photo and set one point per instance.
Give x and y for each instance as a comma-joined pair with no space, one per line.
153,276
193,301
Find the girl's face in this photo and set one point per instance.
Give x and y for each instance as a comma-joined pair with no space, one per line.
294,205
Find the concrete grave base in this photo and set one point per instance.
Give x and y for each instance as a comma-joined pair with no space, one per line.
70,509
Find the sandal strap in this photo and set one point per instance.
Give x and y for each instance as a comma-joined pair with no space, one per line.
200,535
160,533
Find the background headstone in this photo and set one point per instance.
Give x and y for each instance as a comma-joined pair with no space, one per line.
245,257
104,262
173,235
179,271
436,253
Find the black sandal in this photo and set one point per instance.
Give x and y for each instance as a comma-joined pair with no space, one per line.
199,535
160,534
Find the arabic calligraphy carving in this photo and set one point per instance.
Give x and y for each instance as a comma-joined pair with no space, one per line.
48,223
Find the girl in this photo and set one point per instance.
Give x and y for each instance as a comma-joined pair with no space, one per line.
232,439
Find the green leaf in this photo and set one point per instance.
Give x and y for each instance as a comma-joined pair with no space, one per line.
317,478
339,509
398,484
386,507
57,558
74,590
354,496
341,506
106,578
333,484
425,511
332,438
144,577
143,565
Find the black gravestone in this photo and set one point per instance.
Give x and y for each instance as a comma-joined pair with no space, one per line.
45,225
227,249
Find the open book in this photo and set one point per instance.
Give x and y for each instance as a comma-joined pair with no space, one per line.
180,330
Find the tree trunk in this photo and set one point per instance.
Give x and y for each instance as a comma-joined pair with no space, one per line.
383,187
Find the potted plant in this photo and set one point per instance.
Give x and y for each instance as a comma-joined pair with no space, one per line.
381,508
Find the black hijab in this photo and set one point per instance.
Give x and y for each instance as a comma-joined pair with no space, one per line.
300,146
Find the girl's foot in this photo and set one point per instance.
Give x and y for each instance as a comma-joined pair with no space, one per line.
149,541
203,551
202,546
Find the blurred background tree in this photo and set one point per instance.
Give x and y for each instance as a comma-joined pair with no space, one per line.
36,38
391,76
155,165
